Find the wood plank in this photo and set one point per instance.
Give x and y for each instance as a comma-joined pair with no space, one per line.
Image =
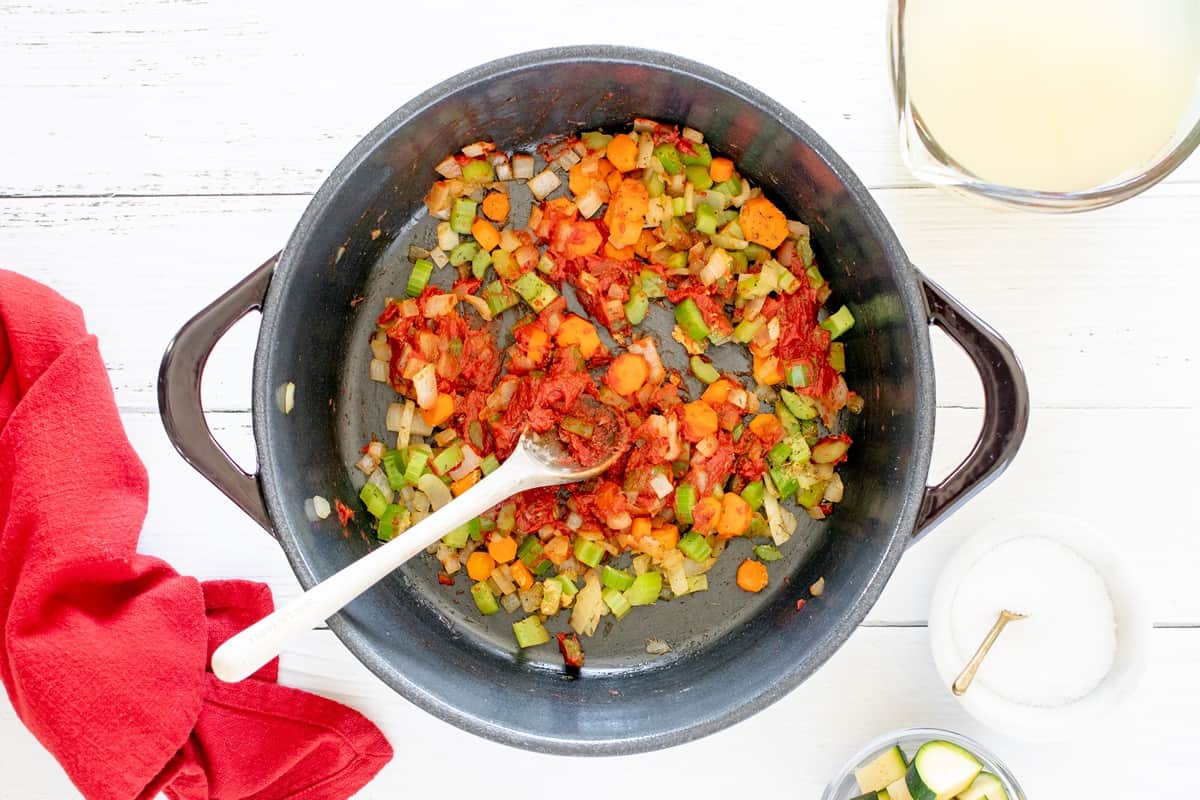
882,679
1071,463
141,97
1096,305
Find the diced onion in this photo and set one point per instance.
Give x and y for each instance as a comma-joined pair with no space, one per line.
437,492
285,395
420,427
380,347
504,171
645,150
469,464
707,446
692,135
522,166
438,257
661,485
379,478
366,465
647,349
544,183
477,149
395,416
439,305
574,521
818,587
480,305
835,489
657,647
718,266
589,204
619,521
376,451
425,384
589,606
448,168
568,160
316,508
510,601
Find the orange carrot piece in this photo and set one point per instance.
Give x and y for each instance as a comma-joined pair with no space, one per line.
582,176
619,253
641,527
735,516
613,181
721,169
495,206
626,212
557,550
443,409
579,332
762,222
766,427
485,233
699,420
706,515
502,548
521,574
768,371
465,482
752,576
667,536
480,566
622,152
627,373
718,391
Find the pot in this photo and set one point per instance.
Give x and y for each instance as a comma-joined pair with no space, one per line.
732,653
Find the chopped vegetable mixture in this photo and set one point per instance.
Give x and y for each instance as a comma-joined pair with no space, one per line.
647,216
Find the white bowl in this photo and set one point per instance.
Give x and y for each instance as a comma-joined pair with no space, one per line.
1046,723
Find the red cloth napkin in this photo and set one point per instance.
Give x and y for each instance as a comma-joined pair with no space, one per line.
104,652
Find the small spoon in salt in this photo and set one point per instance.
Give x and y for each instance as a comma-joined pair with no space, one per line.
963,681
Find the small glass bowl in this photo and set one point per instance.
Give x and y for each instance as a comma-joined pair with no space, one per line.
928,161
844,787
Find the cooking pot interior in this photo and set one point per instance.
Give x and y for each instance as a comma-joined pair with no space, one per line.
730,651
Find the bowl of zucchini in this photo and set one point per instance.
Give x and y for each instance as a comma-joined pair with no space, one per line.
924,764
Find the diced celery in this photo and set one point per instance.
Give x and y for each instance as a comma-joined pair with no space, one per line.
393,467
837,356
694,546
812,495
702,158
645,589
678,206
688,315
838,322
637,305
535,291
588,552
780,453
797,375
463,252
499,297
506,518
785,482
374,499
752,493
478,171
616,603
530,551
685,501
417,459
677,261
699,177
747,328
595,140
668,156
730,188
448,459
462,215
756,252
654,184
457,538
485,601
422,270
393,521
530,632
697,583
505,265
568,586
653,284
615,578
768,553
490,464
706,219
802,406
480,263
704,370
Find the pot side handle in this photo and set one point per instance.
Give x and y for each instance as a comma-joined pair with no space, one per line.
179,392
1005,407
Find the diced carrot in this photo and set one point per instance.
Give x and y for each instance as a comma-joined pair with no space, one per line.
641,527
699,420
752,575
577,239
622,152
706,515
767,427
762,222
666,535
502,548
735,516
646,240
626,212
485,233
521,574
604,168
768,371
465,482
613,181
480,566
538,345
627,373
495,206
721,169
619,253
579,332
718,391
443,409
582,176
557,550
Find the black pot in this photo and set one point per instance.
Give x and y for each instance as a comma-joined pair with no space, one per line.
732,653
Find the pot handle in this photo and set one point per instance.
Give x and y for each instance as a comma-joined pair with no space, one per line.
1005,407
179,392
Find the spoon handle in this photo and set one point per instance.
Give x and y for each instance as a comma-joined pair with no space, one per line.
244,653
963,681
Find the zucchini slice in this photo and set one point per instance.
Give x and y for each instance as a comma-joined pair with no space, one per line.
986,787
940,770
898,790
881,771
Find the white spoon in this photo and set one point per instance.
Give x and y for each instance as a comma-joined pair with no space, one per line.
538,460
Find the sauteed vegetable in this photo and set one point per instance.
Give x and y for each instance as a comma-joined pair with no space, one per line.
649,221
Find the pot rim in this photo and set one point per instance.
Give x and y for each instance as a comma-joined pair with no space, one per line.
910,290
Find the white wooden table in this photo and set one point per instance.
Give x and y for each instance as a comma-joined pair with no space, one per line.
153,153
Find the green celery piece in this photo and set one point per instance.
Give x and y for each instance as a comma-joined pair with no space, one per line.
838,322
506,518
678,206
645,589
616,602
530,632
706,219
797,375
654,184
588,552
615,578
668,156
417,459
505,265
418,279
704,370
490,464
595,140
837,356
780,453
530,551
730,188
768,553
812,495
393,467
463,252
374,499
568,586
462,215
485,601
499,297
699,177
694,546
478,171
702,158
653,284
800,405
753,493
685,501
745,330
676,261
784,482
393,521
480,264
448,459
535,291
457,538
637,305
688,316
